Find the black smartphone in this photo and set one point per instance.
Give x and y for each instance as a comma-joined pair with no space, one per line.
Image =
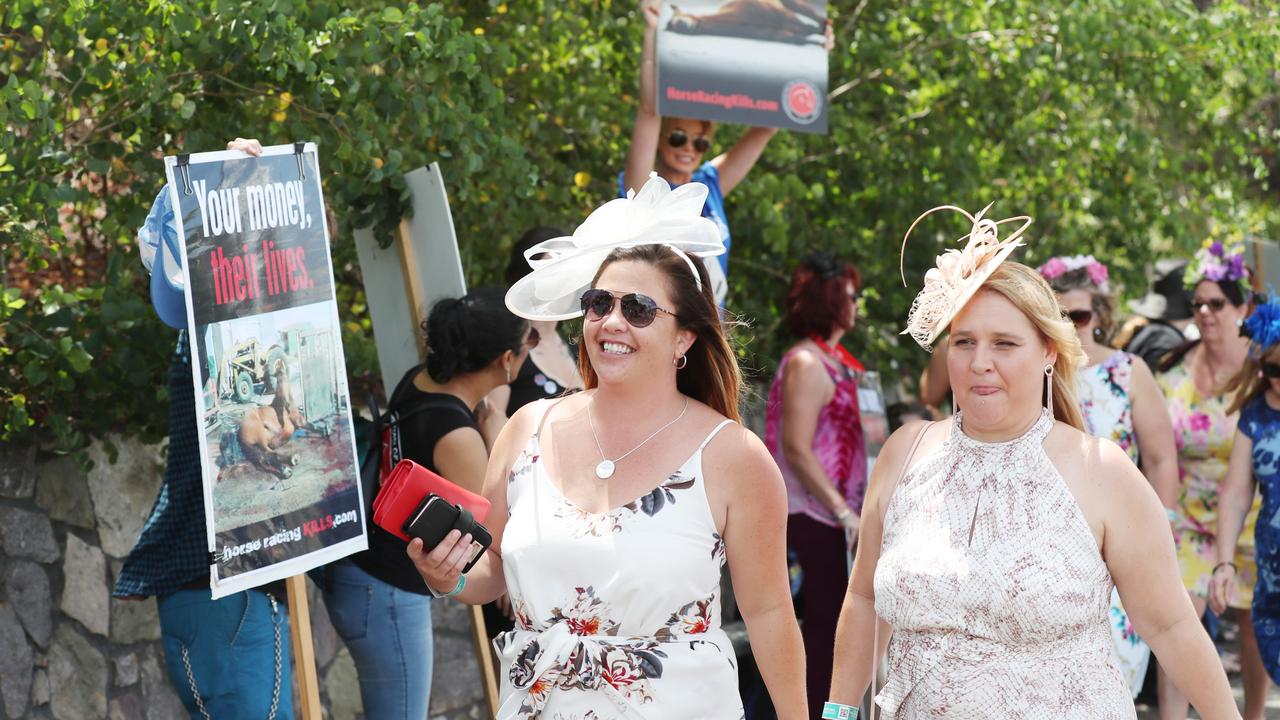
435,517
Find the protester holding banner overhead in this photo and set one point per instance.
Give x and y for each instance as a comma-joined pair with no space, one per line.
814,432
376,599
626,501
228,657
676,148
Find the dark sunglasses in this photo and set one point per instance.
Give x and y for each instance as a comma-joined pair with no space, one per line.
1271,370
1214,305
638,310
533,338
678,138
1079,318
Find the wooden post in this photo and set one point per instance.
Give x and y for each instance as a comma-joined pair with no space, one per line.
418,311
304,651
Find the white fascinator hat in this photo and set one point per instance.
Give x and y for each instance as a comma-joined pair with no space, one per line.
958,274
564,267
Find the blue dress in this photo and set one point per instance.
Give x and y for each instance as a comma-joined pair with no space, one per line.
1261,424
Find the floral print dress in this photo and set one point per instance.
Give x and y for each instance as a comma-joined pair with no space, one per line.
617,613
1105,400
1203,431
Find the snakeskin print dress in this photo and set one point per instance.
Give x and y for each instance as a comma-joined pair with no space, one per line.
996,590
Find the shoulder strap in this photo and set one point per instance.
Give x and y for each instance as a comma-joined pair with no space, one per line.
714,431
542,420
902,472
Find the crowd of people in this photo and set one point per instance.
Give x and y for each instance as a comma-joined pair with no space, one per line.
1065,496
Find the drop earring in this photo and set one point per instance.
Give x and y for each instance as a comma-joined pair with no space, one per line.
1048,380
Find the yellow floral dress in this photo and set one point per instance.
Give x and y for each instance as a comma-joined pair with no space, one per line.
1203,432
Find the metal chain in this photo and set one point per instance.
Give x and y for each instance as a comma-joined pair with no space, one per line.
275,620
191,679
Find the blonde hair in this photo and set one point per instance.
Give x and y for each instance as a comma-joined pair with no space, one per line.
1033,297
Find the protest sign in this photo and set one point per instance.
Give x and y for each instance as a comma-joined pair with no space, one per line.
281,479
754,62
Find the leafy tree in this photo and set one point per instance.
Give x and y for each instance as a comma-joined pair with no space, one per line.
1129,128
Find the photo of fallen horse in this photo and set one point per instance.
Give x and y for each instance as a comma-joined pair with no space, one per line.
789,21
280,439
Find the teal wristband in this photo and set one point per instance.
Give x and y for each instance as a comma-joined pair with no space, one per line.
1172,514
836,711
462,582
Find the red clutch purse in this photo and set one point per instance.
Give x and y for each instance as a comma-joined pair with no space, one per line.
404,489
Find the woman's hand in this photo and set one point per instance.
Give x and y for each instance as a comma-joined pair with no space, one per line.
1222,587
442,566
248,146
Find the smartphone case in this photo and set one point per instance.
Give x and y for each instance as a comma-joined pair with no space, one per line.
403,493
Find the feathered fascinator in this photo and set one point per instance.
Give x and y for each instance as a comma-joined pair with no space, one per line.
657,215
1216,262
1262,327
1058,266
950,285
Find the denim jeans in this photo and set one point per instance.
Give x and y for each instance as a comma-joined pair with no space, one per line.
225,657
388,632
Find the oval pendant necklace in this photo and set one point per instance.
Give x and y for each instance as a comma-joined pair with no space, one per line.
605,468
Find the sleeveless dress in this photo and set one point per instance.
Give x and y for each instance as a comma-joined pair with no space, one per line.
617,613
996,590
1106,401
1261,424
1203,430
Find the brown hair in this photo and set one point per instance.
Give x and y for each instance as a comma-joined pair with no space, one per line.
1029,292
708,126
712,375
1101,303
1248,383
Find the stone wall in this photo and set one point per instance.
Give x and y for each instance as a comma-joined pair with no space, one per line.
70,651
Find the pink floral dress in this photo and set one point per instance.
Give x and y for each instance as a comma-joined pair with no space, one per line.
617,613
1105,400
1203,432
996,590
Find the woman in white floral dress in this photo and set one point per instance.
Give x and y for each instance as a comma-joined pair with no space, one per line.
624,502
1120,401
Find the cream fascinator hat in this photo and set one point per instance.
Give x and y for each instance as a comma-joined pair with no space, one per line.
950,285
657,215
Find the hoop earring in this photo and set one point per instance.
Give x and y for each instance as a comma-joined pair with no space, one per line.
680,362
1048,379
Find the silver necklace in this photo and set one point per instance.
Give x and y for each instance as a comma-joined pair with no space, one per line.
605,469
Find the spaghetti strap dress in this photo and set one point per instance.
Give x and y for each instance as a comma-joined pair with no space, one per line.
617,613
996,590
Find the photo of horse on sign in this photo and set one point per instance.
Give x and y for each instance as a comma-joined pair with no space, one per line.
275,423
751,62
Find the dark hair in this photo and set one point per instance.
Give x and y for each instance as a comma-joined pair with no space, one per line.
1101,303
816,303
466,334
895,412
712,375
517,266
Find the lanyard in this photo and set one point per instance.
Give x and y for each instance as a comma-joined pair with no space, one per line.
845,357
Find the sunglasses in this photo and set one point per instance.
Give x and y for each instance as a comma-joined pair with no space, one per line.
533,338
1271,370
1079,318
1214,305
638,310
678,138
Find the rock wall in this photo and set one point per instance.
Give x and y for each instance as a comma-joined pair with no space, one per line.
69,651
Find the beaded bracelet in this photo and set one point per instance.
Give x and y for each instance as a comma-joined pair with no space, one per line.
836,711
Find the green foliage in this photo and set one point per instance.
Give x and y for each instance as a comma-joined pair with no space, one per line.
1131,129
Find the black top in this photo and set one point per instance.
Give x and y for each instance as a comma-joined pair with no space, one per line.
386,558
532,384
1153,341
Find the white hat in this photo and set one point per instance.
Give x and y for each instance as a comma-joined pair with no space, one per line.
657,215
